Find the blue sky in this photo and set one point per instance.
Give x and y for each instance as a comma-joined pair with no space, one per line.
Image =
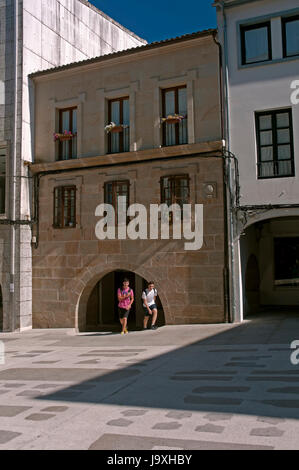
155,20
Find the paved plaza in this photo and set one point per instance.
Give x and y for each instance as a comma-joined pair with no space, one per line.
180,387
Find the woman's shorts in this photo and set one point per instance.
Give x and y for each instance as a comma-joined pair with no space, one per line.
152,307
123,313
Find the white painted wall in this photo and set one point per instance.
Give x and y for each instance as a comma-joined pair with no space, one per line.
259,88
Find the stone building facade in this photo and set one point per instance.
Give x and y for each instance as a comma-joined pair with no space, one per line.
35,35
75,274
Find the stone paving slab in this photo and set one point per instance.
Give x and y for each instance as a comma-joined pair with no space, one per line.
186,387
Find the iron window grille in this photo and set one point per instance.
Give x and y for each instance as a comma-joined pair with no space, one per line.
65,207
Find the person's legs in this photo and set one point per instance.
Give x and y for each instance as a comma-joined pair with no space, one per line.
154,317
145,320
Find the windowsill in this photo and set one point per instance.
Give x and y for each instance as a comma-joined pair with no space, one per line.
274,177
267,62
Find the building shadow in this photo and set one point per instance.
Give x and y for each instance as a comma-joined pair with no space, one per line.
244,370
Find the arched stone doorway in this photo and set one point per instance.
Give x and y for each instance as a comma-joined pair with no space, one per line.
269,252
101,311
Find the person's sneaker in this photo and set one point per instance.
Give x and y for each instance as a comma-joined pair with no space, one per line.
154,327
122,333
126,331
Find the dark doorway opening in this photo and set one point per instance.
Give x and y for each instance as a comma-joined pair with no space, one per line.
102,306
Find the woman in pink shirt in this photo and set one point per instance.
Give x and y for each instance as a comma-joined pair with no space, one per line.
125,300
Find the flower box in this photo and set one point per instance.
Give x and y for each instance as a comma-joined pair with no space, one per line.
67,135
173,119
115,128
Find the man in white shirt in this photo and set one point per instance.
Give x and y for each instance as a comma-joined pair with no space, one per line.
149,305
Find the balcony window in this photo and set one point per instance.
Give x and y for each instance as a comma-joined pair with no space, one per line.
256,43
65,207
275,144
174,120
290,36
119,136
67,137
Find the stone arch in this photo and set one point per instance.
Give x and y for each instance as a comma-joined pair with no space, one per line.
271,214
92,275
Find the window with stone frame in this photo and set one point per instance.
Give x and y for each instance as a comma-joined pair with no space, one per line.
65,207
174,103
275,146
2,180
67,146
119,136
175,189
112,191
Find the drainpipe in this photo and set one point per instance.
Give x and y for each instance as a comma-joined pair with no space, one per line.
226,151
13,173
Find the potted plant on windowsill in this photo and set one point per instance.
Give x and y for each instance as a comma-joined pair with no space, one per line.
173,118
113,128
67,135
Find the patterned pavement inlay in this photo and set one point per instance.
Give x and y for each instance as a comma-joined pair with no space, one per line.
12,411
124,442
217,389
272,379
178,415
14,385
6,436
68,375
218,416
243,364
167,426
267,432
212,401
134,413
284,390
120,422
210,428
194,378
271,420
55,409
282,403
39,417
29,393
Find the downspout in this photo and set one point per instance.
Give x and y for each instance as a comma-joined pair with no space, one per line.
230,205
226,192
13,174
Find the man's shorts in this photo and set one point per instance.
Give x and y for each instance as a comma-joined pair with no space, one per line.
123,313
152,307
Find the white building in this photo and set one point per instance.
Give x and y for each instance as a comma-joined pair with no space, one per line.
260,44
35,35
